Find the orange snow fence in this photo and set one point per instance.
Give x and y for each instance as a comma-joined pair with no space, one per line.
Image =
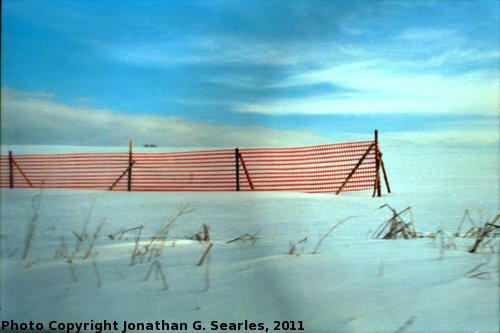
335,168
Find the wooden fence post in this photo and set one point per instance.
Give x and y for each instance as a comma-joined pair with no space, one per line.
130,164
11,170
237,158
385,174
378,187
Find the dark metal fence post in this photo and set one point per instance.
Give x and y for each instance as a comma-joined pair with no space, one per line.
237,158
11,170
130,163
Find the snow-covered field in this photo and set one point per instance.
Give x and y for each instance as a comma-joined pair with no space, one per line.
353,284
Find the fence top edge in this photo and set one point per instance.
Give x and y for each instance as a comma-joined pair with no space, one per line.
205,151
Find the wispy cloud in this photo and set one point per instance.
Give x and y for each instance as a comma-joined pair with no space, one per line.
222,49
29,118
219,67
376,87
419,34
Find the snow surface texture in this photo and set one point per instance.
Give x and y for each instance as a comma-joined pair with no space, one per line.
353,284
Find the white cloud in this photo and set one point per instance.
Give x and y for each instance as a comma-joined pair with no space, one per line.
221,49
419,34
391,85
38,119
376,87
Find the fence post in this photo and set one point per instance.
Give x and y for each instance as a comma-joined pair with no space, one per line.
237,158
385,174
130,163
378,187
11,170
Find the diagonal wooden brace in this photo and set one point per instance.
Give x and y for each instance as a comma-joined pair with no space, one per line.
121,176
356,167
22,173
246,172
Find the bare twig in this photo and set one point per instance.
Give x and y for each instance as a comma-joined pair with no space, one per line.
156,267
91,246
202,259
442,245
206,233
397,225
73,273
33,262
30,231
162,233
97,273
292,250
407,324
475,268
78,237
245,237
63,252
484,273
481,275
207,273
118,235
293,246
484,233
329,232
203,235
466,217
136,252
154,248
13,252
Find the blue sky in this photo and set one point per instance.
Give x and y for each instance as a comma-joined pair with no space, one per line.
228,73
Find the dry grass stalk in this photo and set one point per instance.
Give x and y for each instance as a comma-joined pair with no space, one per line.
206,233
83,234
442,245
207,273
156,267
30,231
468,218
471,233
484,233
407,324
94,238
473,273
203,257
396,226
329,232
203,235
293,247
97,273
136,251
245,238
154,248
63,252
118,235
10,255
31,264
163,232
